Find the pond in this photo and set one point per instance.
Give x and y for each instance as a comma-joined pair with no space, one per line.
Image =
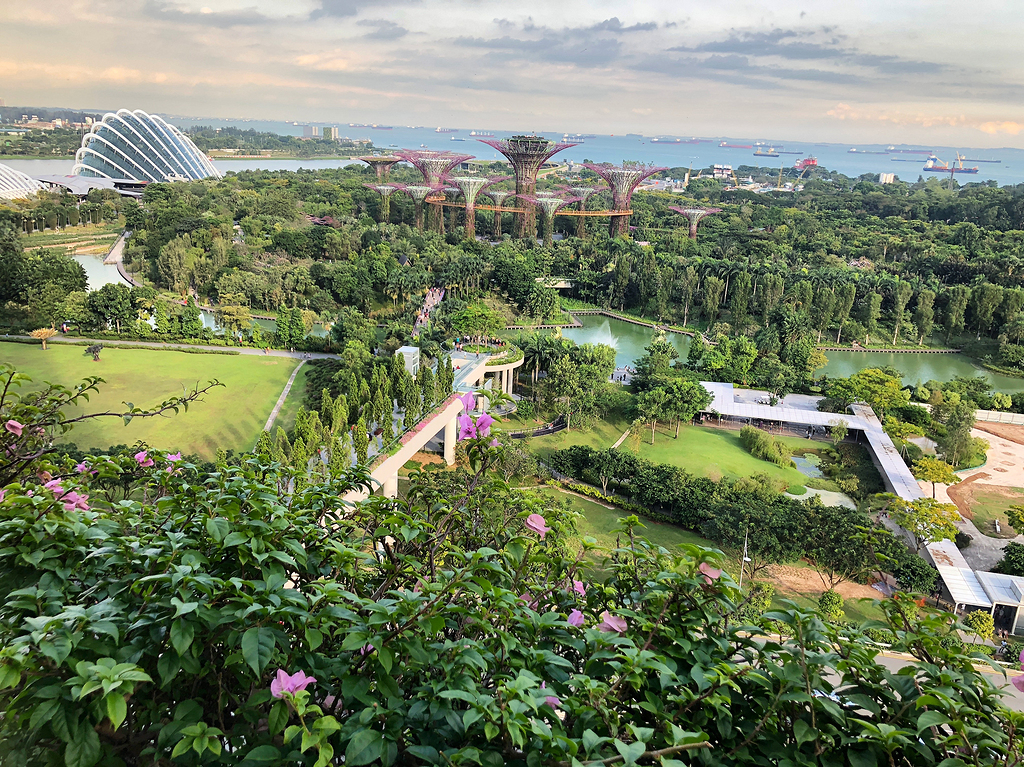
629,341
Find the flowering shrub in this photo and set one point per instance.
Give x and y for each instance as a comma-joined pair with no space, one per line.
226,618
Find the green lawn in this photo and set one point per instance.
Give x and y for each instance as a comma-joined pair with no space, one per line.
292,403
718,453
231,417
603,435
988,505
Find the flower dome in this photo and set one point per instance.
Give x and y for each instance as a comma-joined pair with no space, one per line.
141,147
15,185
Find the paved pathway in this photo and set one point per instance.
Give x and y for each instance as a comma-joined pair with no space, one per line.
282,398
179,347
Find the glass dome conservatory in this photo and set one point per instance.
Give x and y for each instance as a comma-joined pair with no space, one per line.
15,185
139,146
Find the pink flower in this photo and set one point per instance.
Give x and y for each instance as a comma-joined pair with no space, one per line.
14,427
1018,681
143,459
579,588
494,442
2,494
1021,659
174,457
285,683
710,574
54,486
537,524
82,468
73,500
468,400
466,427
483,424
45,476
366,649
530,601
551,700
576,618
613,624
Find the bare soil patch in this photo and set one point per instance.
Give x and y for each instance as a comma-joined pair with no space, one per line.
985,504
960,494
1005,430
805,582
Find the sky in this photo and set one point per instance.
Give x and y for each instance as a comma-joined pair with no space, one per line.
939,72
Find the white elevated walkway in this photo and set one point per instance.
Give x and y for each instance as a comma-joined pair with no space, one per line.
895,473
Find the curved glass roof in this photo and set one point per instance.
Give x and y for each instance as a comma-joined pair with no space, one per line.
135,145
15,185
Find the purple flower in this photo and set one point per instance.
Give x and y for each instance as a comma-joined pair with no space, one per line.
530,601
579,588
14,427
174,457
494,442
2,494
537,524
710,573
82,468
54,486
466,427
551,700
143,459
576,618
483,424
468,400
285,683
613,624
73,500
1018,681
366,649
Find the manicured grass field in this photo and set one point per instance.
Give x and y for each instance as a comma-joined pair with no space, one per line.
231,417
989,503
718,453
292,403
603,435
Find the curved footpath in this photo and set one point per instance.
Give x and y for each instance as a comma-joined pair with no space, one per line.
183,347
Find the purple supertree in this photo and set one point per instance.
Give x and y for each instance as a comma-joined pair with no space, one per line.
694,215
526,154
385,191
419,193
433,165
470,186
623,181
583,193
499,196
382,165
549,205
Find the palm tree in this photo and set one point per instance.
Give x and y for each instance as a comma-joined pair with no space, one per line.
536,356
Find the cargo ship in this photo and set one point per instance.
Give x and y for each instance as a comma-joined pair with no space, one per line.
446,130
481,134
573,139
663,140
935,165
894,150
855,150
980,160
456,138
770,153
807,162
736,146
383,127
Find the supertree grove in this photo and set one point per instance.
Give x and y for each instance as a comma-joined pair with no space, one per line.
470,186
385,191
499,196
418,193
433,165
583,193
694,215
623,181
549,206
381,164
526,154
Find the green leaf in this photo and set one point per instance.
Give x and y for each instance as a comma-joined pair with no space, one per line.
278,718
84,748
181,635
117,708
218,528
168,667
182,746
258,648
364,747
314,638
263,754
931,719
235,539
490,731
629,753
291,732
862,758
182,608
428,754
803,731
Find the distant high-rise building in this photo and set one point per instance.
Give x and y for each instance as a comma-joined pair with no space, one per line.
886,178
331,133
310,131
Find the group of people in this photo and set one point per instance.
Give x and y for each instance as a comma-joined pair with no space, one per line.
433,298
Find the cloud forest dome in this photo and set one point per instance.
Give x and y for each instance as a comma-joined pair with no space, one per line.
135,145
15,185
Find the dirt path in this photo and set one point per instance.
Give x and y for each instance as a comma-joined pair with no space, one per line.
805,582
960,494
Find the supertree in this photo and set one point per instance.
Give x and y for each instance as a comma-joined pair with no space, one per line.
382,164
385,191
419,193
470,187
549,205
526,154
433,165
583,193
694,215
499,196
451,194
623,180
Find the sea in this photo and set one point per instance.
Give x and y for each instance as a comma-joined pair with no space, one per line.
907,166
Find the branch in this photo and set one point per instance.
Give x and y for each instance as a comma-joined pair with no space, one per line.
649,755
172,404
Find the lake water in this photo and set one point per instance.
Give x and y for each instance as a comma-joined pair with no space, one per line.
629,342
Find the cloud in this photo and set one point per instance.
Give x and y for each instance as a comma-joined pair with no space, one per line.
343,8
166,11
1001,126
614,25
385,30
846,112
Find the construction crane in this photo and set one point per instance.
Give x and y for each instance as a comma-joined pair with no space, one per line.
778,187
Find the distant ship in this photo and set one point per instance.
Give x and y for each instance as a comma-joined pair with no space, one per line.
356,125
588,135
456,138
894,150
574,139
661,140
481,134
770,153
736,146
807,162
383,127
634,135
935,165
446,130
980,160
855,150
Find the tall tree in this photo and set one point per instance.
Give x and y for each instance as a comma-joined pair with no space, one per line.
901,297
985,299
845,295
956,309
924,314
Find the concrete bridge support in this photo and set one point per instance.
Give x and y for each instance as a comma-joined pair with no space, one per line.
450,436
390,486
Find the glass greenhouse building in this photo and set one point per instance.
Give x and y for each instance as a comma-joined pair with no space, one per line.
139,146
15,185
